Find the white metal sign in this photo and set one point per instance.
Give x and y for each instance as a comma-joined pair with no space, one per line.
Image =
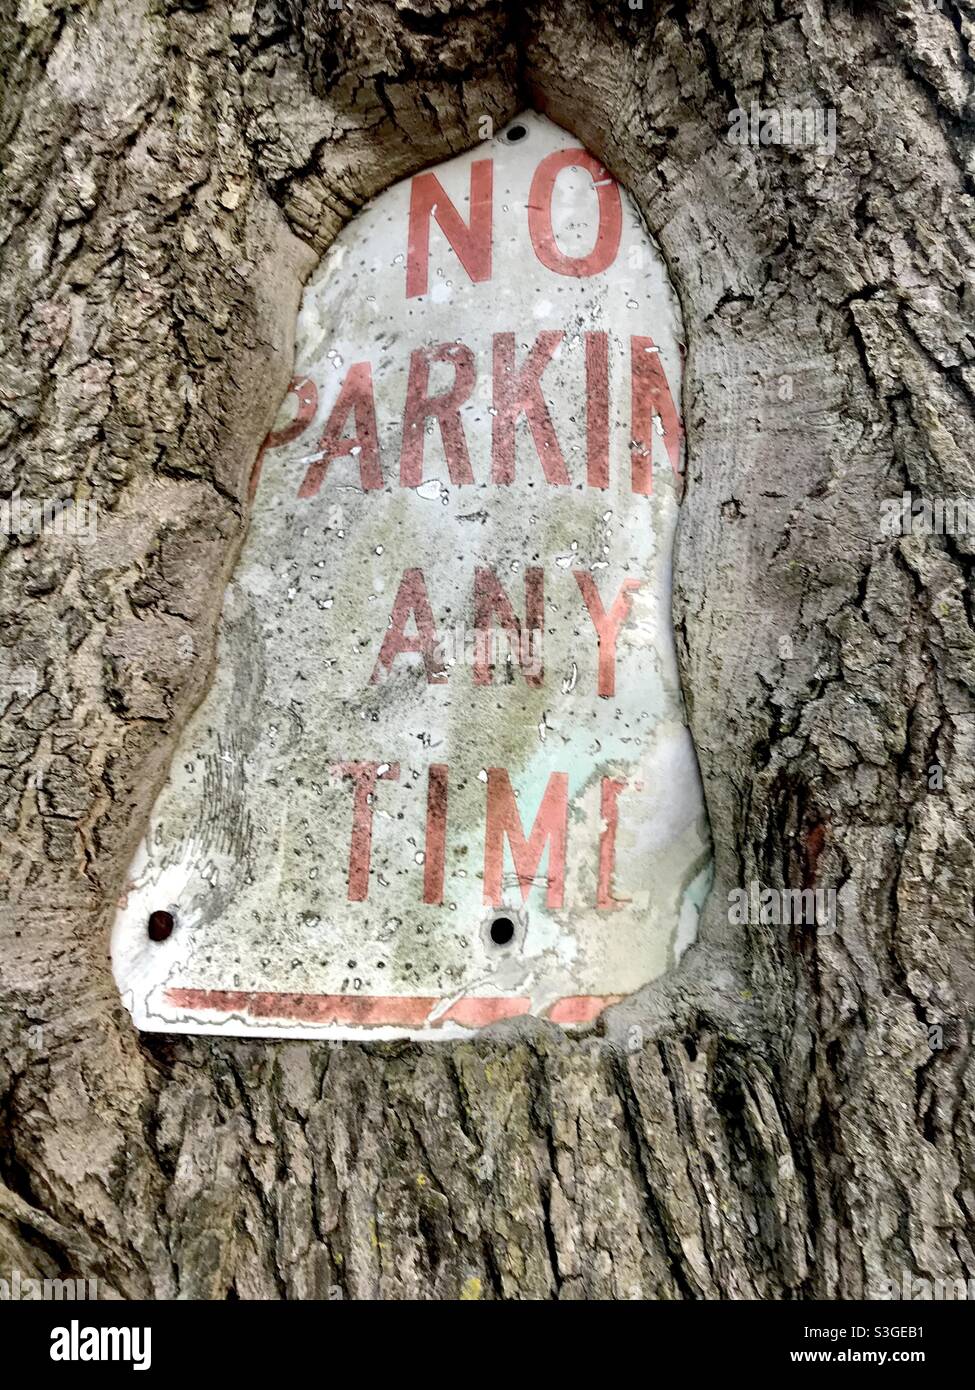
443,775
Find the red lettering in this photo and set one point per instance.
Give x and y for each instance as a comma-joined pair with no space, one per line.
650,396
610,229
610,815
436,841
307,395
490,599
607,625
354,397
597,409
445,409
472,244
411,601
517,392
364,776
503,821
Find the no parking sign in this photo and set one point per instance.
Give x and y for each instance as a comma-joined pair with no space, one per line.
443,775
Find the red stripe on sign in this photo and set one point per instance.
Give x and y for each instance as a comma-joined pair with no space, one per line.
581,1008
377,1011
475,1011
365,1010
369,1009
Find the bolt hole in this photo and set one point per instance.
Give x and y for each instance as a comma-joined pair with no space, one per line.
516,133
502,931
160,925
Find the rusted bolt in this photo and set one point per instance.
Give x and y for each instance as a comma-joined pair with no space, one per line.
160,925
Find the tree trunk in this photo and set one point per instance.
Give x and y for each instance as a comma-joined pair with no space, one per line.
788,1115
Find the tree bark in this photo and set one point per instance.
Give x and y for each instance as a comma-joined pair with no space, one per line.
789,1114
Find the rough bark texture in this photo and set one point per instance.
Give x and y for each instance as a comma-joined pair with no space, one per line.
770,1121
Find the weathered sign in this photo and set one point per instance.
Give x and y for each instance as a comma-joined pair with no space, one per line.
443,775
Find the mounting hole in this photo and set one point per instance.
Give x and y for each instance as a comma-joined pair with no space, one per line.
502,931
515,133
160,925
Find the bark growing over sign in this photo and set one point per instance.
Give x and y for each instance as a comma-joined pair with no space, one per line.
786,1116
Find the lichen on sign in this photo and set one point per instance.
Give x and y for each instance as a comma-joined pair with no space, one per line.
443,774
